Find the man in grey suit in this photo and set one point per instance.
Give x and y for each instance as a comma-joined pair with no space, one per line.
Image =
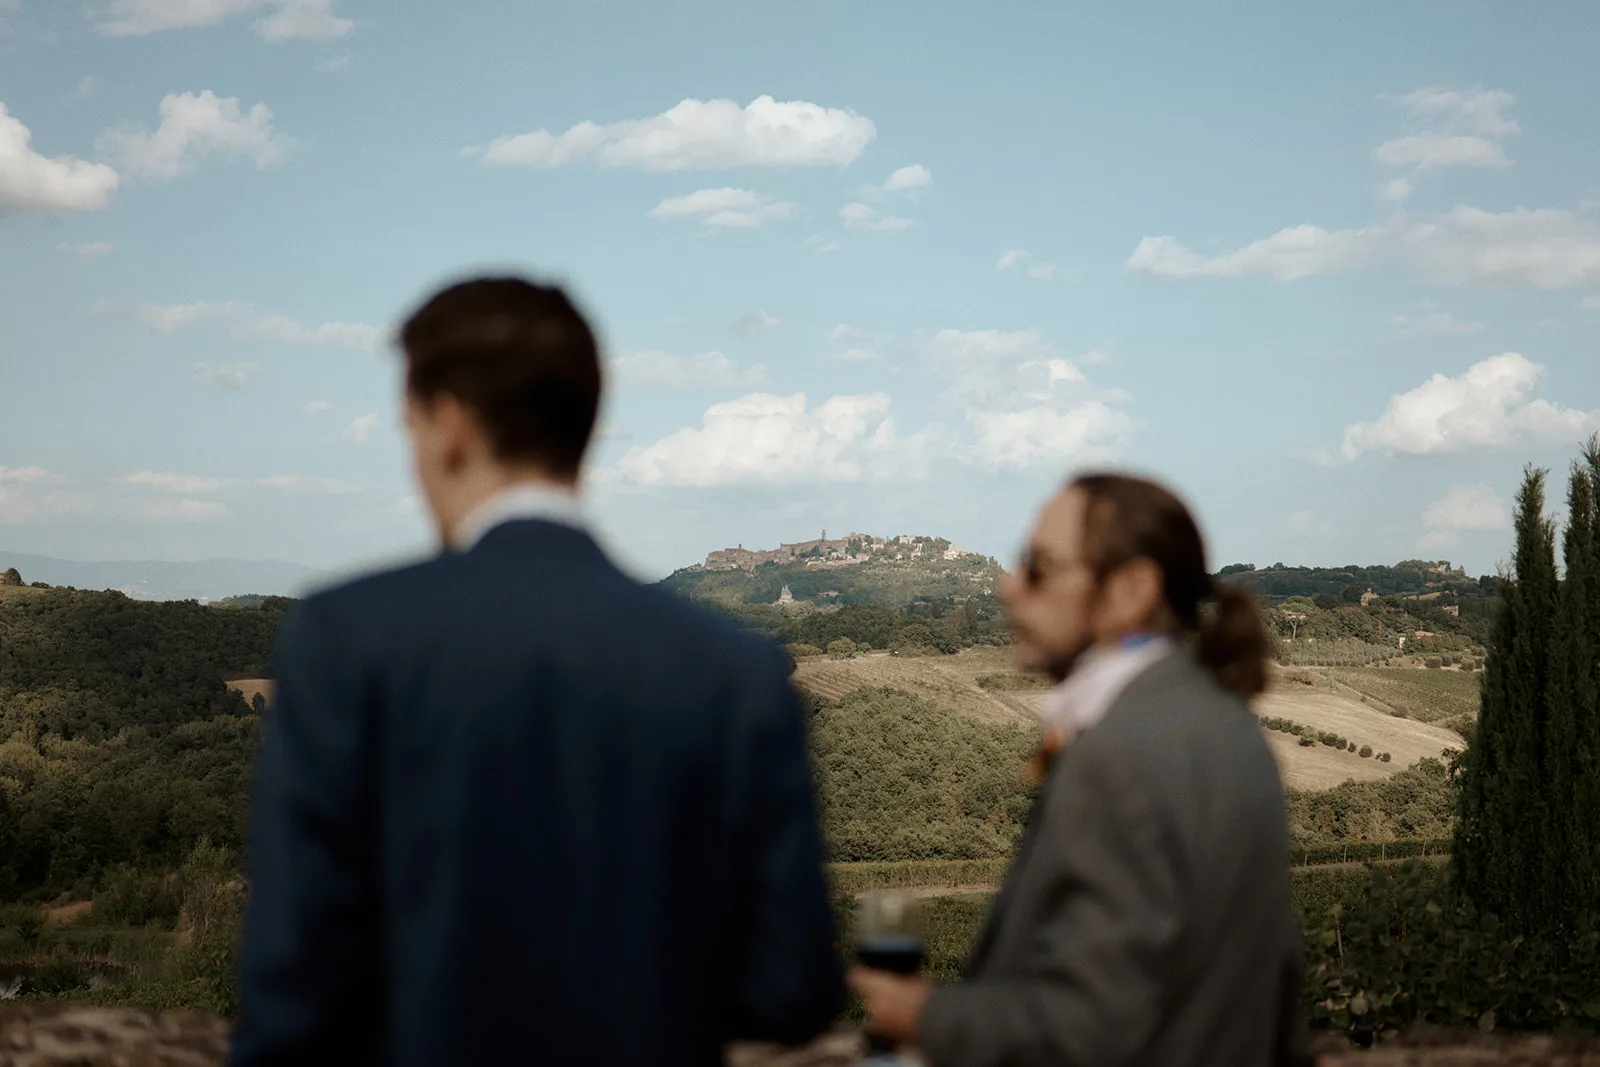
1146,918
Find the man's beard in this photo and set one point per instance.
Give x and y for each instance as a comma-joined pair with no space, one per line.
1059,666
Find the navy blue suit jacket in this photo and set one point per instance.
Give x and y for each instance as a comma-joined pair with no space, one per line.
514,807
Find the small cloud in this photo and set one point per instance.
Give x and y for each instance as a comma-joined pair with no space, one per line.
312,20
859,355
360,428
749,327
915,176
845,332
1021,259
1438,322
231,376
87,252
196,127
85,88
858,216
317,408
724,209
709,370
336,65
1397,190
697,135
819,244
33,182
1095,357
168,482
318,486
1466,507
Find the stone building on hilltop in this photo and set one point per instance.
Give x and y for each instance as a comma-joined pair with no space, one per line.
11,577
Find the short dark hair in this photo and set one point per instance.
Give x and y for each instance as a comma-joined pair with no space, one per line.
517,355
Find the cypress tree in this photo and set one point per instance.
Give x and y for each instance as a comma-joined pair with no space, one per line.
1568,859
1501,830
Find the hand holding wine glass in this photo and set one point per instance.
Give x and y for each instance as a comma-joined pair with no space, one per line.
889,946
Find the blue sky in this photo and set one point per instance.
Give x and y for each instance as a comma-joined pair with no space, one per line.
876,265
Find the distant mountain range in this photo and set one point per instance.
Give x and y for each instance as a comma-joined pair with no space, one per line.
209,579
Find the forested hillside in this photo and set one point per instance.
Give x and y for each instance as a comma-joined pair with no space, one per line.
119,741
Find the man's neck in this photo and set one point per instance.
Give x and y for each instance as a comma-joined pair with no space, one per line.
485,497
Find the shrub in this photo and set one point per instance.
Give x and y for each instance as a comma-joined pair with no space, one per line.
1307,742
1350,746
841,648
800,650
1410,951
1366,751
1433,662
129,898
1384,757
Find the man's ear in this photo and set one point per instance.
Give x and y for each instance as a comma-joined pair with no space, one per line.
1134,592
460,438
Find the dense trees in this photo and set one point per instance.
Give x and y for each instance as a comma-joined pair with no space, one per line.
1528,839
119,741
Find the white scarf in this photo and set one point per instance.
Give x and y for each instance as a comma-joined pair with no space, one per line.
1100,676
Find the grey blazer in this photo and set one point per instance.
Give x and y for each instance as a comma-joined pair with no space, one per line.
1146,918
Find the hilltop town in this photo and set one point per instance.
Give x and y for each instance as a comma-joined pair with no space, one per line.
838,552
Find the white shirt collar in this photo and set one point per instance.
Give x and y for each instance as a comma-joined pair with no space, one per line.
526,501
1083,699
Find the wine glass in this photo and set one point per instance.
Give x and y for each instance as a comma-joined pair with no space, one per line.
888,937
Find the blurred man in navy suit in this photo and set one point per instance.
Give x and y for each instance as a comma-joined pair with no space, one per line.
512,806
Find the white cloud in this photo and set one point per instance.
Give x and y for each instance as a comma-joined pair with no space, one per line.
168,482
858,216
196,127
1425,151
15,475
699,135
1434,322
1466,507
289,18
710,370
357,336
360,429
846,332
1487,408
93,250
231,376
1398,189
724,209
308,19
317,486
762,438
1026,404
1288,255
1478,110
85,88
336,65
317,408
1043,435
1455,128
753,325
32,182
1547,248
1022,259
249,324
165,318
916,176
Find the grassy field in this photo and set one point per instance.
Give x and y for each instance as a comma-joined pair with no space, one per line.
1328,709
948,681
1429,696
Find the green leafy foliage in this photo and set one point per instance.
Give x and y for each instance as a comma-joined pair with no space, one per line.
1416,803
1411,950
902,779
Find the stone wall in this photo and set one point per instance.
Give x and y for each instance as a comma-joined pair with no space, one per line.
66,1035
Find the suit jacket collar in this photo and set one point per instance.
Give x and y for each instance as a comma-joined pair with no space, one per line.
540,537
